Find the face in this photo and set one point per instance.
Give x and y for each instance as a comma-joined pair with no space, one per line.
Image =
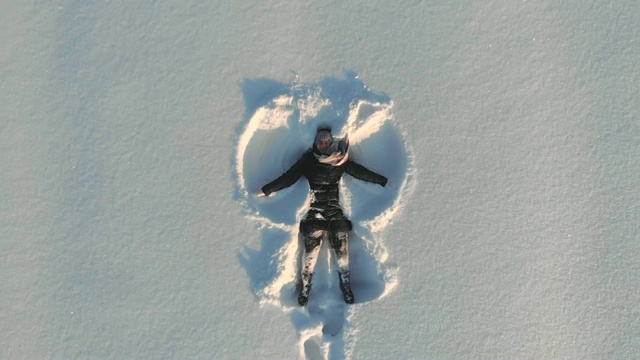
323,145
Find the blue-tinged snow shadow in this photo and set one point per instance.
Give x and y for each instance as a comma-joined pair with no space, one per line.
368,280
384,153
260,92
268,155
263,265
344,92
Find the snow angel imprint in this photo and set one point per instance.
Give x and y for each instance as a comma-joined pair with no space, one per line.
319,132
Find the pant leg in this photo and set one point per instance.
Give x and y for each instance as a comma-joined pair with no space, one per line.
340,244
312,245
313,232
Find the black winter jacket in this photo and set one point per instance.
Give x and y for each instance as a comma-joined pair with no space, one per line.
323,179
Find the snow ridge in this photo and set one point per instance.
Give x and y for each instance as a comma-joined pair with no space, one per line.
281,120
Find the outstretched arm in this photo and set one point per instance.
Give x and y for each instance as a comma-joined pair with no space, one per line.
287,179
362,173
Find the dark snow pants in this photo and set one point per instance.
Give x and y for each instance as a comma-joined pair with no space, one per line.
314,228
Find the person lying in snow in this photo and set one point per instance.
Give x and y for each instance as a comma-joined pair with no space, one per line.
323,166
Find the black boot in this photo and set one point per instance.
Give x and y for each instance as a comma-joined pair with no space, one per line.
345,286
303,297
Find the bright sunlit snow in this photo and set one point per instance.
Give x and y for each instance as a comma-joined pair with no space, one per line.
135,137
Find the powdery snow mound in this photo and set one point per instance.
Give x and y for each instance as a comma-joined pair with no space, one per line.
280,124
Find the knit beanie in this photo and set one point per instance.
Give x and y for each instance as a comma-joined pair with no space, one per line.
323,135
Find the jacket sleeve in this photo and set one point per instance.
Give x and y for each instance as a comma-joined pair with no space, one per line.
362,173
287,179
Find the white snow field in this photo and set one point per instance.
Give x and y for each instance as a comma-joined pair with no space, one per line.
135,136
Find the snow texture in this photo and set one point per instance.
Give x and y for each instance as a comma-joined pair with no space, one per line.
134,136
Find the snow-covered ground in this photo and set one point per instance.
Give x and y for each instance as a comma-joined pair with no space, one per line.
135,135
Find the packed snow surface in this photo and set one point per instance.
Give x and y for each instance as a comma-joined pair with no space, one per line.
135,136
